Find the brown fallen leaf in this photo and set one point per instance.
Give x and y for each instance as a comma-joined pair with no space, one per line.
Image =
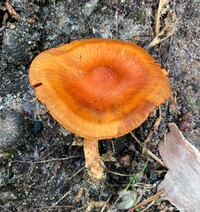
182,181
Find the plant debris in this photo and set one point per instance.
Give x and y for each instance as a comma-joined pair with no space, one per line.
181,183
11,10
168,17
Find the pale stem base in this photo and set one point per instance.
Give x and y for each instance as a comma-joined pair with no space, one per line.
93,160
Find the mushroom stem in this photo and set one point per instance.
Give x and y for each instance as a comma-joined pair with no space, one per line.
93,160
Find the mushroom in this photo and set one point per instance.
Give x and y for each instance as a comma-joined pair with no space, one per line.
99,89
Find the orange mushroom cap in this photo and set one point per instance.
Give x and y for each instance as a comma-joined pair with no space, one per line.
99,88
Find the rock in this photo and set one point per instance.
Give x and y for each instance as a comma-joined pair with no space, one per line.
12,130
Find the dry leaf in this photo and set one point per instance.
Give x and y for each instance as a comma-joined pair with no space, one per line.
182,181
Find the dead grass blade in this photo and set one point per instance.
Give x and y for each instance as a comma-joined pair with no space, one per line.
165,30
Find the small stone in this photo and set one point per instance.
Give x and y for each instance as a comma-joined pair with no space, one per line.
125,161
186,123
7,195
12,130
153,176
89,7
37,127
128,199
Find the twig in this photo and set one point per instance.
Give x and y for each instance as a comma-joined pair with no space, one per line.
143,145
152,203
11,10
103,208
116,23
80,170
118,198
45,161
154,157
150,199
141,194
120,174
1,206
145,150
50,207
169,23
61,198
155,127
136,139
158,38
158,14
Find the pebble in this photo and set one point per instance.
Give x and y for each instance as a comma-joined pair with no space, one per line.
186,123
12,130
125,160
37,127
7,195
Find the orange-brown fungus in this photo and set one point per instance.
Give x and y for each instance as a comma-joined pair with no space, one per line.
99,88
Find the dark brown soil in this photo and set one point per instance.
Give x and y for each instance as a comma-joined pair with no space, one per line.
40,169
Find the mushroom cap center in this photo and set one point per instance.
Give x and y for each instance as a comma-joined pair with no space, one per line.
101,79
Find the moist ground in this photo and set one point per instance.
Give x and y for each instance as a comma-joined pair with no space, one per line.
40,168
